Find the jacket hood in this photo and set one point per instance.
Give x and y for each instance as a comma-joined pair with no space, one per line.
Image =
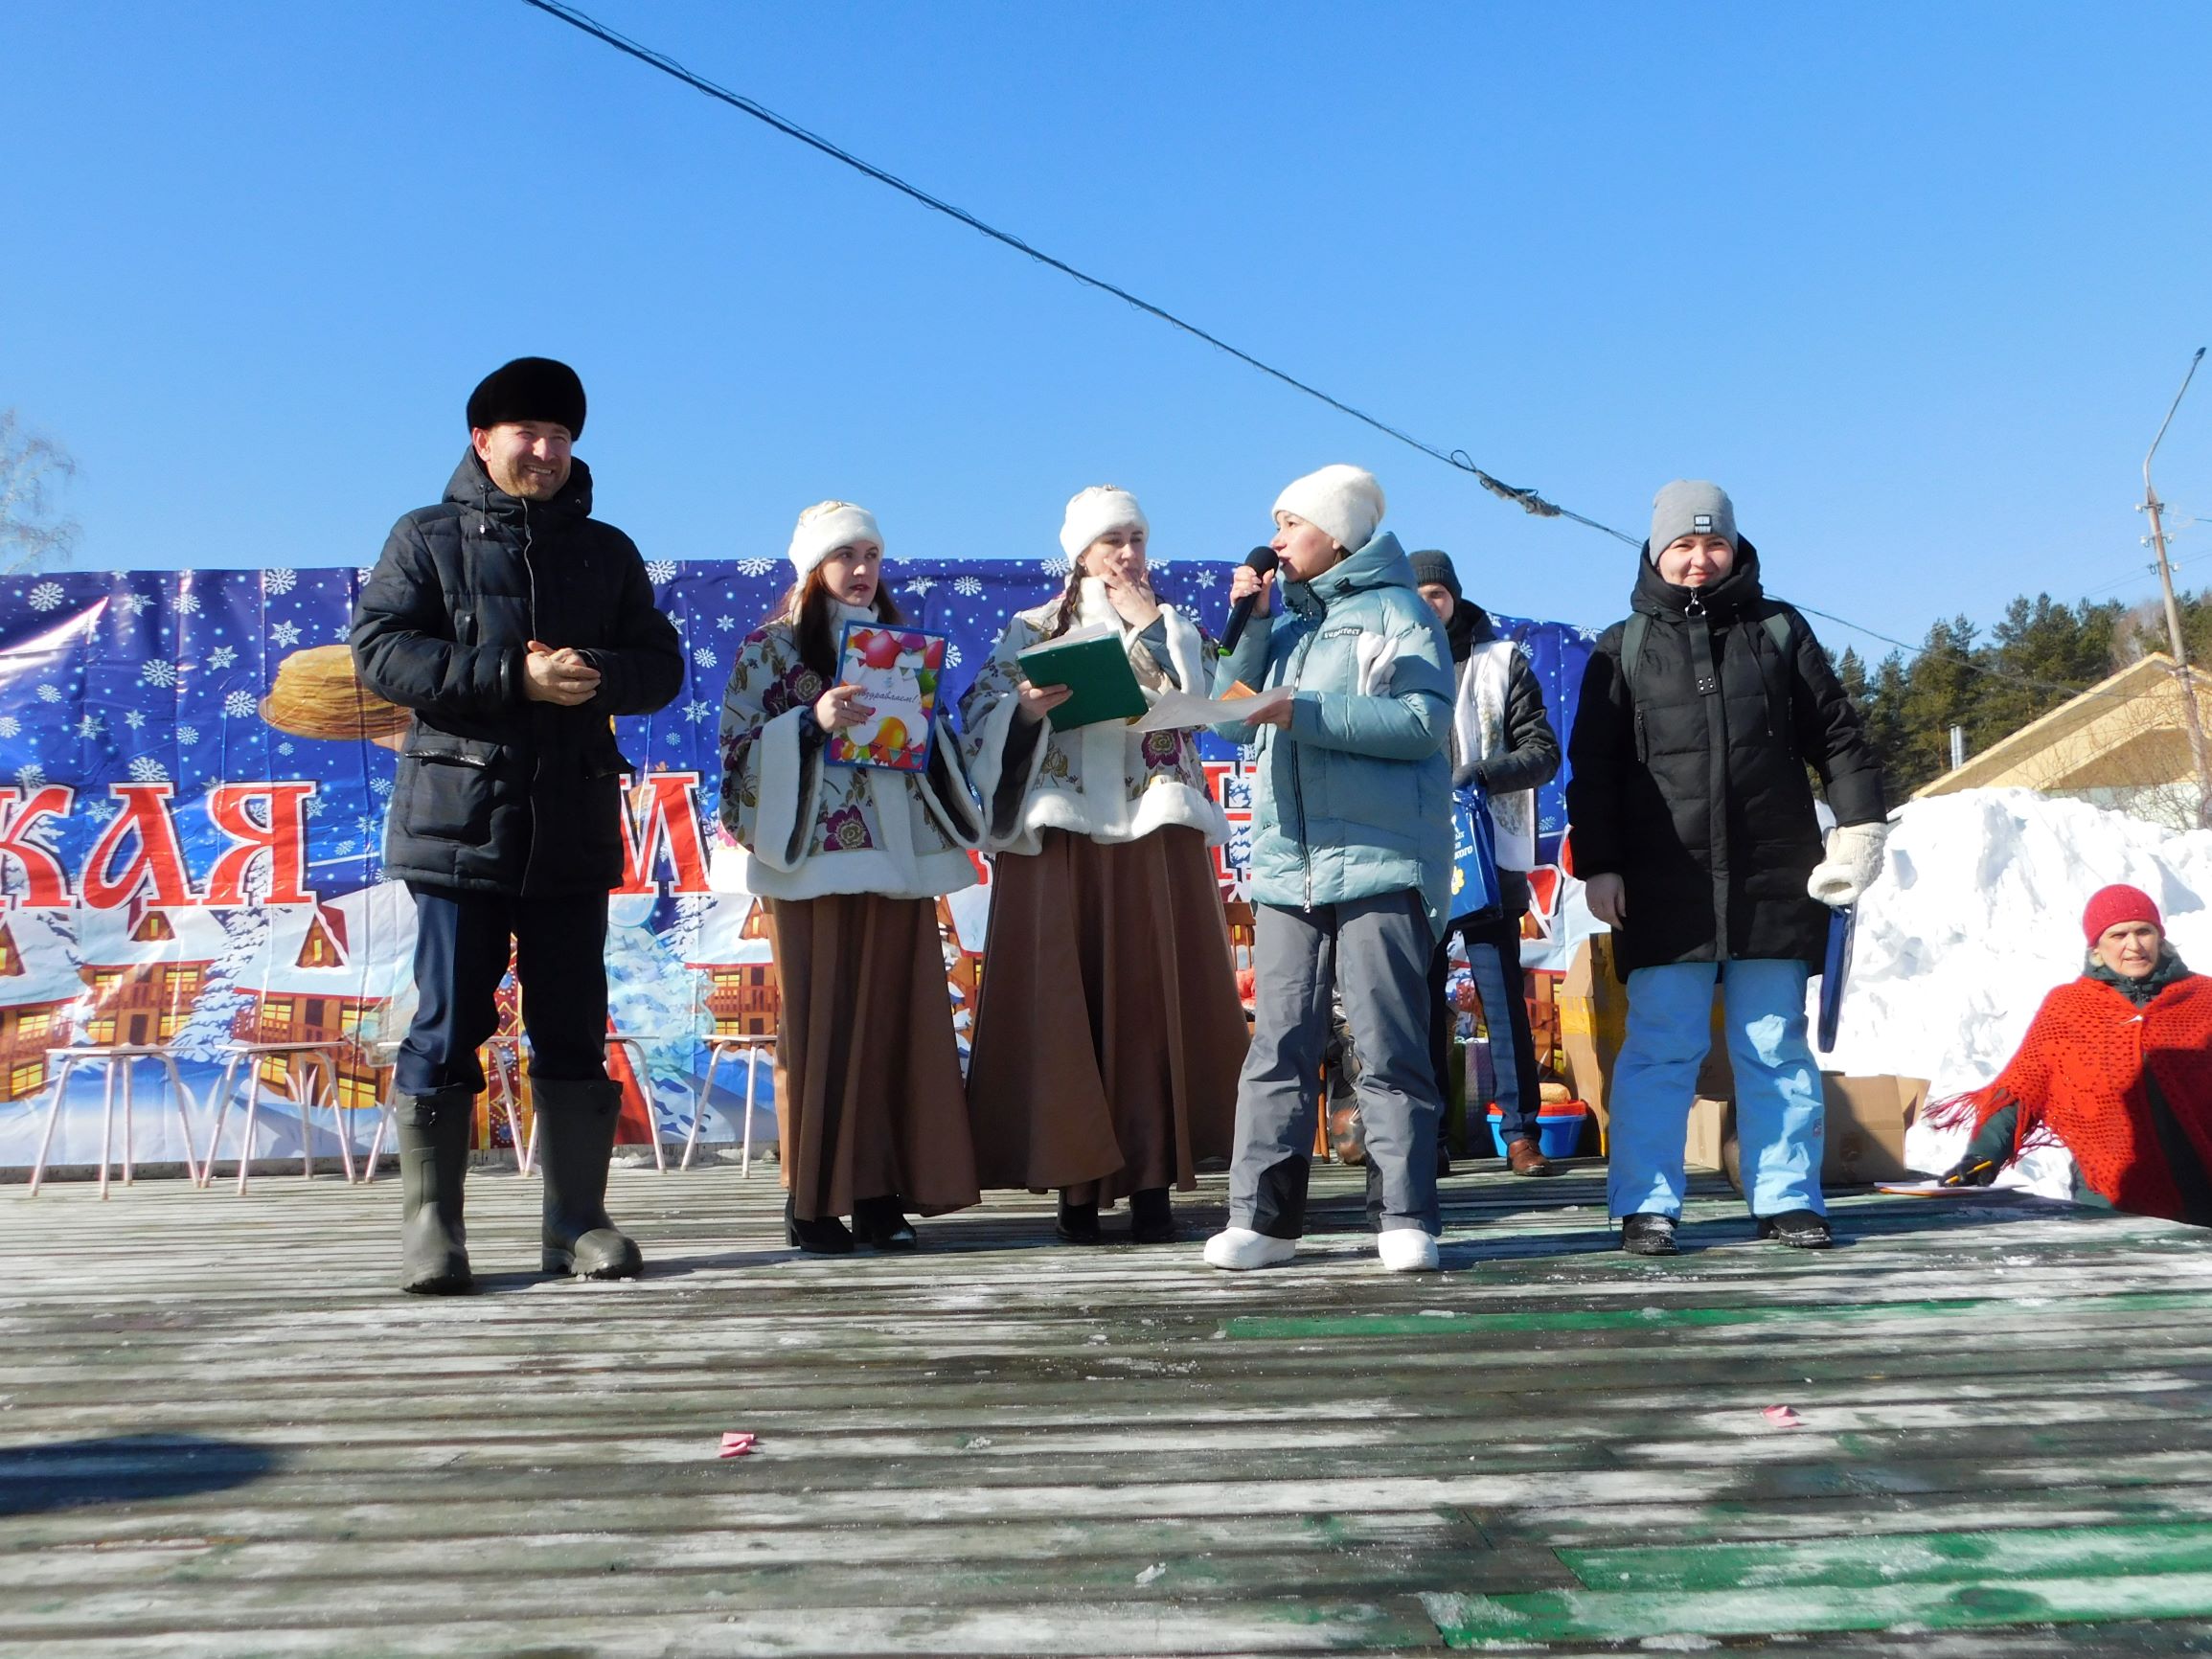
1469,626
472,486
1381,563
1655,596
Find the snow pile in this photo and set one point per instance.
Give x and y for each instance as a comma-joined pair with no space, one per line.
1977,916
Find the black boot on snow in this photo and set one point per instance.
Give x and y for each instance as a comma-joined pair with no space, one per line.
434,1132
574,1148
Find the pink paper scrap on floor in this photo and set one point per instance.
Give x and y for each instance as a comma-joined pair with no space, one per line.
736,1446
1782,1417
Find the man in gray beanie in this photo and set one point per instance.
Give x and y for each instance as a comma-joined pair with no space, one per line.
1693,826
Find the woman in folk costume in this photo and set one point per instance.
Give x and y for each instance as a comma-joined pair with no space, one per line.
850,861
1108,1032
2117,1069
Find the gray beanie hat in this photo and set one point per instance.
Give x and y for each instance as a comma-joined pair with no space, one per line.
1431,565
1691,507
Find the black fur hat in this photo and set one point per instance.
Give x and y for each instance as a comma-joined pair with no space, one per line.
529,389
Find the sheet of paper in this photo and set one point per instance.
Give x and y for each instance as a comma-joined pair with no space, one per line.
1186,711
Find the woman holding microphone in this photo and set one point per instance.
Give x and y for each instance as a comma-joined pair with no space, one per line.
1351,863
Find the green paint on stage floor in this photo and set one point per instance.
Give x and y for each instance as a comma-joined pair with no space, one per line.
1901,1559
1447,1322
1640,1615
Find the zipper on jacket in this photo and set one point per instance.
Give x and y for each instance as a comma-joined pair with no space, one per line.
1705,670
1297,782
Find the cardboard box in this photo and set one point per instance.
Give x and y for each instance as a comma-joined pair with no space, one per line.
1864,1136
1867,1118
1593,1007
1712,1126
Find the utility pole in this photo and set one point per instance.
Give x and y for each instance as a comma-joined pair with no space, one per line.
2191,720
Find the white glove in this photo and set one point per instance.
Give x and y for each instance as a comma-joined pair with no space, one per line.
1854,860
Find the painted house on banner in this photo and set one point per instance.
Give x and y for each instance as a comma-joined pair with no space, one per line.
38,982
147,967
329,972
744,998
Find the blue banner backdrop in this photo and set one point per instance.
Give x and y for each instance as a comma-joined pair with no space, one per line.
192,789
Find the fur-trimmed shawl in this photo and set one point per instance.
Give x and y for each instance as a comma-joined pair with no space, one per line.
1103,781
810,828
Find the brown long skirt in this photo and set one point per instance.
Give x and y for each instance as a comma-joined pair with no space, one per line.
867,1072
1108,1034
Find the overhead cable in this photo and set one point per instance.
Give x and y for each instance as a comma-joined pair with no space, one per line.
1527,500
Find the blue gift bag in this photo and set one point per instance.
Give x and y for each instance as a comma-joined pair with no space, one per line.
1473,855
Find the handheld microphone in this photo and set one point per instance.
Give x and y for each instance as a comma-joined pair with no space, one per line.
1262,559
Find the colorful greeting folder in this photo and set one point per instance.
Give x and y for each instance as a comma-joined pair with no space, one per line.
898,671
1095,664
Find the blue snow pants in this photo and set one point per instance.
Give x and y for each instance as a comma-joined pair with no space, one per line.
1779,1106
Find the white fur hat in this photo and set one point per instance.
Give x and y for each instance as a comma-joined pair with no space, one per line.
827,525
1092,513
1345,502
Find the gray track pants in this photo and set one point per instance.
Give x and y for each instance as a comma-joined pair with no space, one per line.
1376,952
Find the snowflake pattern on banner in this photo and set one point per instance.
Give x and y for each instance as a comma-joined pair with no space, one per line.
123,693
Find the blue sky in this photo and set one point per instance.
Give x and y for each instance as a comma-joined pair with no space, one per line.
1915,282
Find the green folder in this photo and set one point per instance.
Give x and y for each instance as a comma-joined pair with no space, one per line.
1094,661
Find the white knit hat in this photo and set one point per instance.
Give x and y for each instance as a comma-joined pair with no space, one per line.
1092,513
827,525
1344,502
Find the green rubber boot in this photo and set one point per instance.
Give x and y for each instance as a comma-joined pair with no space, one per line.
434,1131
574,1147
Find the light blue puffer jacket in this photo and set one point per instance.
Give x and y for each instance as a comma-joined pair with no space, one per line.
1355,798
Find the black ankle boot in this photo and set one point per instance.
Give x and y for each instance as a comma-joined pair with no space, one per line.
1078,1222
1153,1216
824,1235
574,1146
882,1224
434,1131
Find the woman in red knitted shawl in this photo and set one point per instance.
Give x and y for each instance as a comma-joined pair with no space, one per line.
2118,1069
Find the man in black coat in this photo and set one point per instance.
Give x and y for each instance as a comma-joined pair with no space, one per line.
1692,822
514,625
1502,739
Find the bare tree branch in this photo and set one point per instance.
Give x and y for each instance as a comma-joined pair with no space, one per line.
33,469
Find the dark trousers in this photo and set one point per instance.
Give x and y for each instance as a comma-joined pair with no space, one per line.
1501,939
461,947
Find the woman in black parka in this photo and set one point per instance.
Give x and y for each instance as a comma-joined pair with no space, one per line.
1692,822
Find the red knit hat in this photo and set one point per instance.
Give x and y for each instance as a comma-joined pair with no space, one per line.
2112,905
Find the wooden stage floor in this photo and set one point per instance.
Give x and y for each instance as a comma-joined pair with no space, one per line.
222,1433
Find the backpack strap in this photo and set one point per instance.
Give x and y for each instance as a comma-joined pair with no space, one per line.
1632,635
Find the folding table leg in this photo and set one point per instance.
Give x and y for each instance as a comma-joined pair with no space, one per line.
752,1076
52,1117
184,1104
222,1101
699,1104
253,1072
129,1067
106,1121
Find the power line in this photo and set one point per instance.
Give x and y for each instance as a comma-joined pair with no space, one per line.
1528,500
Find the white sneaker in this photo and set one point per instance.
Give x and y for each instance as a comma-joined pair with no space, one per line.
1406,1250
1238,1248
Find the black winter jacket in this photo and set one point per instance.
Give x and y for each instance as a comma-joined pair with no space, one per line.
1694,789
1532,753
496,793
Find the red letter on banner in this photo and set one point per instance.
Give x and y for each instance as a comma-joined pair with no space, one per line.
45,883
158,860
671,820
284,838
